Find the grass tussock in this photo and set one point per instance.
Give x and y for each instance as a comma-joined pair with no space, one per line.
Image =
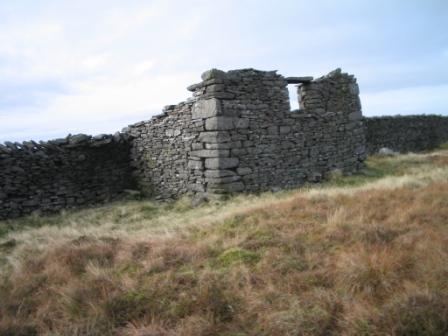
360,255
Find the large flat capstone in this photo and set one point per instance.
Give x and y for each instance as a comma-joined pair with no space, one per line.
299,80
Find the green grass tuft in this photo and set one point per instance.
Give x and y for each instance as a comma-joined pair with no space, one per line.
237,255
444,146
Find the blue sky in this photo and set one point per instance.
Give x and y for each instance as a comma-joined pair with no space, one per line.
96,66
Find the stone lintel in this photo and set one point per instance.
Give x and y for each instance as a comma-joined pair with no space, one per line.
299,80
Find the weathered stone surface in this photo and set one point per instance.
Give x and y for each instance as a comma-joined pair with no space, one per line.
241,122
219,95
194,87
228,188
206,108
214,136
405,133
195,164
222,180
221,163
219,173
354,89
79,138
213,74
299,80
215,88
285,129
357,115
75,171
244,171
197,146
219,123
210,153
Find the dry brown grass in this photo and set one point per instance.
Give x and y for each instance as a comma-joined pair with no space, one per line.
371,259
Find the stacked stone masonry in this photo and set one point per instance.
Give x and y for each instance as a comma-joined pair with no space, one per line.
235,134
160,153
405,133
65,173
238,134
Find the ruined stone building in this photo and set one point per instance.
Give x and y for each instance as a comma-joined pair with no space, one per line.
236,133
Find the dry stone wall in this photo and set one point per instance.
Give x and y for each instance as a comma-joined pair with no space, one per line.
235,134
405,133
260,144
160,151
65,173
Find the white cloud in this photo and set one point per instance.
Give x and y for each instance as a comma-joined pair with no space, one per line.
102,105
142,68
94,63
109,79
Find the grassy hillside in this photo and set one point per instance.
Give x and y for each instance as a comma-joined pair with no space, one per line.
358,255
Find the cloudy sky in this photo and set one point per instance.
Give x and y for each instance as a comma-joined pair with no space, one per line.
96,66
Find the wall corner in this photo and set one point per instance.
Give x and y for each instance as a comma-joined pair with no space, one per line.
211,154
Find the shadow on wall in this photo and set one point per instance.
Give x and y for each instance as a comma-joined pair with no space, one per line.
406,133
65,173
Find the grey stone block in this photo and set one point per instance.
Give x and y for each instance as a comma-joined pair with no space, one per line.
357,115
206,108
244,171
241,122
193,164
219,95
218,173
228,188
222,180
239,152
299,80
213,74
273,130
285,129
197,146
214,136
219,123
210,153
215,88
221,163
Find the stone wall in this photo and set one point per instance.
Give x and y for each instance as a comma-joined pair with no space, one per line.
160,153
72,172
405,133
235,134
254,142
